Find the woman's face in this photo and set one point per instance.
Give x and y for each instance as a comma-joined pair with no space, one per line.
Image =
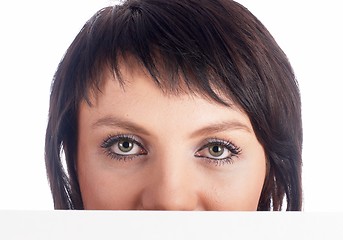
141,149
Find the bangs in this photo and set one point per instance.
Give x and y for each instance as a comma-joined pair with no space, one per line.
166,41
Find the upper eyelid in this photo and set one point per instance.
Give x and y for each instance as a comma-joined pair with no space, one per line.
118,137
213,141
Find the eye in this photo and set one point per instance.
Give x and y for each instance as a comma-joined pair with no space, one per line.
218,150
215,151
121,146
125,147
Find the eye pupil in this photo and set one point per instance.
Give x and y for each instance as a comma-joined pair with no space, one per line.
125,146
216,150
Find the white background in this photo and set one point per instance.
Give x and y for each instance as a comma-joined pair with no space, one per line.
169,225
35,34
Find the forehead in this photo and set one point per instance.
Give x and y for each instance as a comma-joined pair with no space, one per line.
131,75
139,99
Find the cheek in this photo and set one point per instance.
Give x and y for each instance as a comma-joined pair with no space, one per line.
239,193
244,194
241,189
103,189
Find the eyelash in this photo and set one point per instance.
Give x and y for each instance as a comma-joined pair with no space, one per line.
111,140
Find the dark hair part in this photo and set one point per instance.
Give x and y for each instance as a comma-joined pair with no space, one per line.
206,44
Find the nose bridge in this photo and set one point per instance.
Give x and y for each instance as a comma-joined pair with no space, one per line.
171,184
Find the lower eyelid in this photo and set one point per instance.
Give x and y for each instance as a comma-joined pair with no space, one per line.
119,158
217,163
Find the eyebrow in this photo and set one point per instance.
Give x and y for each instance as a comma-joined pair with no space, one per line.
112,121
221,127
117,122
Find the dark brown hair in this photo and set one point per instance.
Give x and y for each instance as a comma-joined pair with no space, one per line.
207,44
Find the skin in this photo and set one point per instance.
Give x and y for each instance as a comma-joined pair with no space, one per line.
173,169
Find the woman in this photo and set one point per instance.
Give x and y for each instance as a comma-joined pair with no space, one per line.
174,105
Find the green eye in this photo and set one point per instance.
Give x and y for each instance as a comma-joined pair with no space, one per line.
125,146
216,150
